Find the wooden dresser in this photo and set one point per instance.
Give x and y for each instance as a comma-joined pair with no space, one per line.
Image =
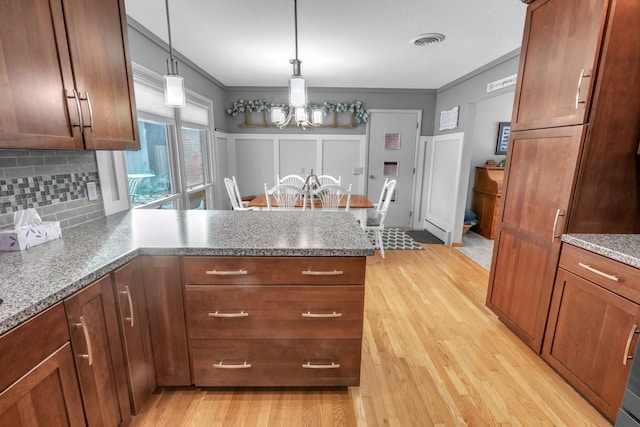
486,199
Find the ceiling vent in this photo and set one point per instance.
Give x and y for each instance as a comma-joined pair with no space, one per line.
428,39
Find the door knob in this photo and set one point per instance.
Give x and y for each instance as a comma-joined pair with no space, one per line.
372,176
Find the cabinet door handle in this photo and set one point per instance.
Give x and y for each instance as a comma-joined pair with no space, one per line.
583,73
218,314
598,272
83,325
626,357
555,225
321,315
310,365
322,273
86,98
226,272
130,319
222,365
74,95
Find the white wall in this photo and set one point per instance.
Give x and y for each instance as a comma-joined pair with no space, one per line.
256,159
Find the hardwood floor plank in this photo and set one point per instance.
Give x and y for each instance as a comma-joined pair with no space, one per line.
433,355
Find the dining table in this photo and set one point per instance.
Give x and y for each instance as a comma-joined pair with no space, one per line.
358,206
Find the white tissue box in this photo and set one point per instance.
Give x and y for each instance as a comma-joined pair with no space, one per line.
12,240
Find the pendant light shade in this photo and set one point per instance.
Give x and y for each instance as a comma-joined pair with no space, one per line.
174,90
174,93
297,91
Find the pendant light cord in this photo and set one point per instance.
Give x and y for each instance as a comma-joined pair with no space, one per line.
295,23
173,69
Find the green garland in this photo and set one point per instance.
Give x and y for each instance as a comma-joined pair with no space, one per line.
258,105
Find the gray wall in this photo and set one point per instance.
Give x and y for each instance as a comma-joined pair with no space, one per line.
149,51
417,99
480,113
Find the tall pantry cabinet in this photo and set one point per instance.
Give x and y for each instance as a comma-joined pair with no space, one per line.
572,165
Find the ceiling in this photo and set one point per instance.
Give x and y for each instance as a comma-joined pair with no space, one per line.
341,43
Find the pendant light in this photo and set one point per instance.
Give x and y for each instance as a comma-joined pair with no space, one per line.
297,90
174,93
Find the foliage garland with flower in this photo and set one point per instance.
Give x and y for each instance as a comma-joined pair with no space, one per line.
259,105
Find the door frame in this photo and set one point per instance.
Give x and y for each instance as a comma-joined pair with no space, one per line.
413,212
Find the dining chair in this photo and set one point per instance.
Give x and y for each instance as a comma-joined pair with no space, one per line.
328,179
330,196
287,196
234,195
296,180
375,223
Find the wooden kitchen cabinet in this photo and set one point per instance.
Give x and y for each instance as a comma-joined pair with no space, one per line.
566,173
275,321
165,307
38,383
68,84
554,85
592,331
134,327
95,339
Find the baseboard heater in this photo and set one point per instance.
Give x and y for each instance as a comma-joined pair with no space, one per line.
437,231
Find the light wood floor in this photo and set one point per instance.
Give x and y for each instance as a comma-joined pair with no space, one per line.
433,354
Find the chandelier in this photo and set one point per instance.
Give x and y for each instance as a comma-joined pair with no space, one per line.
296,111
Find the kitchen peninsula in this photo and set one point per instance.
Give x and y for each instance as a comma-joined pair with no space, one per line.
216,298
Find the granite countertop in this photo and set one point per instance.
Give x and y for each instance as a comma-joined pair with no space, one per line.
35,279
624,248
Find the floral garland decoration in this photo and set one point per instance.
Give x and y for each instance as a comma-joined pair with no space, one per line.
259,105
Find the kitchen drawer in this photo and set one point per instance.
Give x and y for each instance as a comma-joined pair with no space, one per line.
274,270
276,362
236,311
620,278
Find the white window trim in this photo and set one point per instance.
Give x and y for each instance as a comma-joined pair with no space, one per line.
112,164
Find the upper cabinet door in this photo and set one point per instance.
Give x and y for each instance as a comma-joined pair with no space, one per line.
65,75
35,78
96,30
559,57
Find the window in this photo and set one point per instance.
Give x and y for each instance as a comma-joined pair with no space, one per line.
172,169
149,170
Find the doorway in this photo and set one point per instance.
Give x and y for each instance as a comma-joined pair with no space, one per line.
392,137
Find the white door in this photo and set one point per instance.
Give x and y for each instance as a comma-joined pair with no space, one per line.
392,139
444,203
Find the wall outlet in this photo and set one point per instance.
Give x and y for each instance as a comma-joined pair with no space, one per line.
301,171
92,192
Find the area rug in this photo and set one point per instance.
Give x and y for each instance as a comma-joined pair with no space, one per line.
423,236
395,239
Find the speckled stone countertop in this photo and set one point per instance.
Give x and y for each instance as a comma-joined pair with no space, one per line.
624,248
35,279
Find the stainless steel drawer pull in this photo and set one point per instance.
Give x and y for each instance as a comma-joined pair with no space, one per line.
598,272
83,325
310,365
583,73
218,314
626,357
321,315
227,272
323,273
222,365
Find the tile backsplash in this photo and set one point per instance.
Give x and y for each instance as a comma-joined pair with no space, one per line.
51,181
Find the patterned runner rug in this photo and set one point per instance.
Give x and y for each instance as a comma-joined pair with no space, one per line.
395,239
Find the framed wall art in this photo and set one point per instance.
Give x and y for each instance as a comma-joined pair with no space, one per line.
503,137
